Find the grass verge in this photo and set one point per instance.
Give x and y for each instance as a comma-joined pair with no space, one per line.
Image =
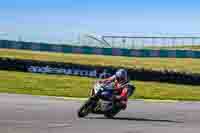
72,86
177,64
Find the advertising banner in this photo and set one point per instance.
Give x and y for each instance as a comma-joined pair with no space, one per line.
141,74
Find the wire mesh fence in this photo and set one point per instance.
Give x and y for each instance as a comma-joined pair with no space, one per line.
141,41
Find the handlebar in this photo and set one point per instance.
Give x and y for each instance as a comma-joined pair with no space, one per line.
103,85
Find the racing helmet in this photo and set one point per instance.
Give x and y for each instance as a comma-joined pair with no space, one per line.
121,75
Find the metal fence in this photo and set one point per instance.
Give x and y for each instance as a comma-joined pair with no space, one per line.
135,41
143,42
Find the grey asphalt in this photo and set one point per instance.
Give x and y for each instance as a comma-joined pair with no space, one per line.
34,114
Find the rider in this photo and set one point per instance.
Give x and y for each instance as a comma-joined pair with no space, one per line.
122,86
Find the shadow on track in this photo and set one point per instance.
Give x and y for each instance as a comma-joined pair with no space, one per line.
134,119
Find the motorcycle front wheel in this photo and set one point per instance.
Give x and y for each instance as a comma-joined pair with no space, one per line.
86,108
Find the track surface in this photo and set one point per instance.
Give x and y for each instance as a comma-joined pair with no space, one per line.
33,114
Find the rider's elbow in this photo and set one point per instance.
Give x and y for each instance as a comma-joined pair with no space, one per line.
131,90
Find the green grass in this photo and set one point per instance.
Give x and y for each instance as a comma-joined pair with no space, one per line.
72,86
177,64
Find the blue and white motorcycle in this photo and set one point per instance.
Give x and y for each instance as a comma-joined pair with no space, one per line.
100,101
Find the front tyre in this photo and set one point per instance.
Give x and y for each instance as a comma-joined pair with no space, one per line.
86,108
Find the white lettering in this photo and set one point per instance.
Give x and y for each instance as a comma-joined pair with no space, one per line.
66,71
76,72
93,73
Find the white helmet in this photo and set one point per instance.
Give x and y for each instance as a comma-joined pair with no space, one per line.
121,75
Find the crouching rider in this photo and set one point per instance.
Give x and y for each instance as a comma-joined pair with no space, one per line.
123,89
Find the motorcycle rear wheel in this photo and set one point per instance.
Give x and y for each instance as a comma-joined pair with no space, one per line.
112,114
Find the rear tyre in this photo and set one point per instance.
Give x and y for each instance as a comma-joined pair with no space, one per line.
109,116
112,113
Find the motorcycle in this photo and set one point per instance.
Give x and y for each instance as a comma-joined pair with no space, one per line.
96,104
